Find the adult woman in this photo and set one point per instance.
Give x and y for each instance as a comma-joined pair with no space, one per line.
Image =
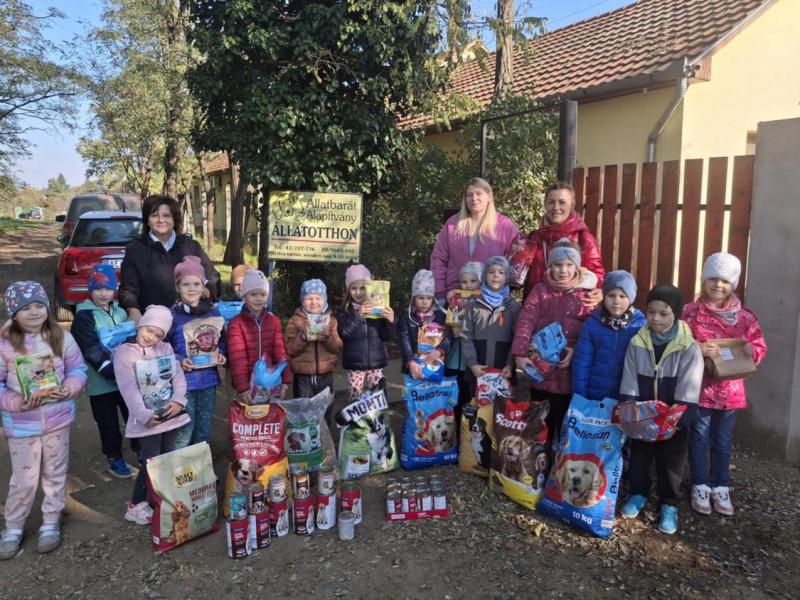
476,233
148,269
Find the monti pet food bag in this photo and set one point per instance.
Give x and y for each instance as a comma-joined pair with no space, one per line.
183,490
477,423
519,453
377,293
309,443
583,485
366,441
429,431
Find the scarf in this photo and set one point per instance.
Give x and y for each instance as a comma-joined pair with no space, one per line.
729,313
492,298
423,317
566,286
616,323
659,339
574,225
202,308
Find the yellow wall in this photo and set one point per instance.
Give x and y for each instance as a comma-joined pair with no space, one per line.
449,141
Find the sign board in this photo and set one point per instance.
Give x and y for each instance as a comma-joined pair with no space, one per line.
314,226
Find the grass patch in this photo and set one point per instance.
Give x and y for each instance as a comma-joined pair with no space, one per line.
8,225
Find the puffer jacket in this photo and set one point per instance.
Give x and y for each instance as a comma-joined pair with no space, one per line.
71,370
196,379
307,357
705,325
251,337
364,340
487,333
89,318
408,330
600,356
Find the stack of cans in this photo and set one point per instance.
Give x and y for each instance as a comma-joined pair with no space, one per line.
258,516
278,506
303,504
410,496
326,498
237,527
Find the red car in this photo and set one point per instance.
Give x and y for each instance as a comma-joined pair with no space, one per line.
99,237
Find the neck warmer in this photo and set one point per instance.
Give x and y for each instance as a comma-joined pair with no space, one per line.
729,313
616,323
566,286
492,298
660,339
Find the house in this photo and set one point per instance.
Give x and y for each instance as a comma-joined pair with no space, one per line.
657,79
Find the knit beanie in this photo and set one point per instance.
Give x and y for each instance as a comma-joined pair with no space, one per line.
423,284
669,295
494,261
620,280
102,277
190,266
356,273
473,268
565,252
156,316
239,271
254,280
314,286
21,293
722,266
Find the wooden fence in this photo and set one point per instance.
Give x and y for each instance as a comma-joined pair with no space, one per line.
654,220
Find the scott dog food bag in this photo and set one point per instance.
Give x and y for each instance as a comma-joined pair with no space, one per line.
366,441
477,423
183,490
258,433
309,443
429,431
519,453
583,485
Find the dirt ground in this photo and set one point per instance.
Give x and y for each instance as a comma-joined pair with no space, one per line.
488,548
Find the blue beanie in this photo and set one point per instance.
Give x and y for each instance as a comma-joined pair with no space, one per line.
102,277
621,280
317,287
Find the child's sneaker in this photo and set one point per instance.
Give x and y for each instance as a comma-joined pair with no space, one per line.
141,513
668,522
721,498
633,506
701,499
49,538
10,541
119,468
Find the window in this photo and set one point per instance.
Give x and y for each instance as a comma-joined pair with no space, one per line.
106,232
750,145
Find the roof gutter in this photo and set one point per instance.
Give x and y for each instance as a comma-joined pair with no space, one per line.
680,92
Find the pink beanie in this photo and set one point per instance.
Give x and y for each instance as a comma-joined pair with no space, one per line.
157,316
190,266
254,280
356,273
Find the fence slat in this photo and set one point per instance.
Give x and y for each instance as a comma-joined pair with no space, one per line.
668,220
592,205
690,226
609,238
578,184
627,216
715,205
741,200
647,212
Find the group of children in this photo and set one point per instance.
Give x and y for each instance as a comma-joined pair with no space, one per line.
613,351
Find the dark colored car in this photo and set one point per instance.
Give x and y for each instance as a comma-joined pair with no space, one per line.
94,202
36,213
99,237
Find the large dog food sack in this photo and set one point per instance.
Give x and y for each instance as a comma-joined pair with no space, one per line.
309,443
477,423
258,433
583,485
519,452
183,490
366,441
429,431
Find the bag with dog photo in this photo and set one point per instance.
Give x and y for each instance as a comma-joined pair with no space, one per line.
309,443
183,490
519,453
258,433
429,430
477,423
366,440
583,485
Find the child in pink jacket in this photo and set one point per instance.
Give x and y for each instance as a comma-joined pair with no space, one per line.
37,427
155,394
718,313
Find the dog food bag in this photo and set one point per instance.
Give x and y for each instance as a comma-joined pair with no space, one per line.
477,423
458,304
366,440
377,293
202,341
183,491
583,485
544,351
520,444
258,434
429,336
112,337
649,420
265,382
522,253
37,377
309,443
429,430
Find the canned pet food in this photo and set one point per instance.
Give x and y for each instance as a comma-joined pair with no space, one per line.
409,502
326,483
326,511
238,539
259,530
394,503
304,515
439,499
277,488
425,500
279,518
255,499
347,529
351,499
238,507
302,484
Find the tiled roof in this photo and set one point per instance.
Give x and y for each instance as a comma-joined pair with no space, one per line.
646,38
217,164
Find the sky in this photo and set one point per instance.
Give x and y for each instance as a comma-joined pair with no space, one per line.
54,150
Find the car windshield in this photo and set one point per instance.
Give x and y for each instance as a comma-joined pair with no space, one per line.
105,232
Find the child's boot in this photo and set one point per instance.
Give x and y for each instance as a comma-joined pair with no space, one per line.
633,506
701,502
10,541
668,522
721,499
49,538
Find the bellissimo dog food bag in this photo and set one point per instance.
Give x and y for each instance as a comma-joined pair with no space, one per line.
309,443
477,424
366,442
429,430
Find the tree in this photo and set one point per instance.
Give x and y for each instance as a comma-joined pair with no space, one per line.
504,55
57,186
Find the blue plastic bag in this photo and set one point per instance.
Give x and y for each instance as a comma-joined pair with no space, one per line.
112,337
229,308
548,343
265,382
430,437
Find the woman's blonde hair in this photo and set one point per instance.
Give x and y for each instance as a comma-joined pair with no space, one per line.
51,332
486,228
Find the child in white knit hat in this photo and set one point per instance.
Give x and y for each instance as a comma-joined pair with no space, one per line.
422,309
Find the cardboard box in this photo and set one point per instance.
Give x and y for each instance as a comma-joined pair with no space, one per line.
732,363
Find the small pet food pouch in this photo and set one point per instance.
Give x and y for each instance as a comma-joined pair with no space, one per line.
458,305
112,337
583,485
522,254
154,377
366,441
229,308
202,341
265,382
649,421
377,296
317,326
183,491
477,423
37,377
429,430
429,336
544,351
309,443
519,453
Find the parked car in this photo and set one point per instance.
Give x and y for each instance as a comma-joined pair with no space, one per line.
93,202
99,237
36,213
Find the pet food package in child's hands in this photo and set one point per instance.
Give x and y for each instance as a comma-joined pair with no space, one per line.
519,453
265,382
544,351
309,443
731,362
366,441
522,253
649,420
583,484
183,490
37,377
429,336
112,337
202,341
377,298
429,430
477,423
317,326
457,306
154,377
229,308
258,434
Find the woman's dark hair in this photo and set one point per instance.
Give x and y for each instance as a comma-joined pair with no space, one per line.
150,206
559,185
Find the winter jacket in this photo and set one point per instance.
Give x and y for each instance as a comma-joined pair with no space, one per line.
147,275
408,329
71,370
89,318
125,357
363,340
488,332
705,325
677,376
251,337
451,251
307,357
600,356
196,379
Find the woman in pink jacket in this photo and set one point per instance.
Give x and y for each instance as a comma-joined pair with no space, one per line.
476,233
717,314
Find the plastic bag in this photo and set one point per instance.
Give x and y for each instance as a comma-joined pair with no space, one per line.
649,420
228,309
522,254
112,337
309,443
265,382
545,350
429,430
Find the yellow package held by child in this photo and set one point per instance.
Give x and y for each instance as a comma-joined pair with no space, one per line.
377,298
457,307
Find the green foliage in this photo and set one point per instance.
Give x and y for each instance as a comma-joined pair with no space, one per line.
57,186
